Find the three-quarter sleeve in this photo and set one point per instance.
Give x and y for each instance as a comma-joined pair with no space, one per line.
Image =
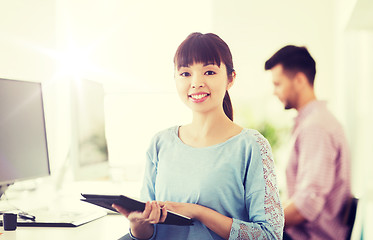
263,206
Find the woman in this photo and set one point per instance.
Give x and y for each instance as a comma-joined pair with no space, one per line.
211,170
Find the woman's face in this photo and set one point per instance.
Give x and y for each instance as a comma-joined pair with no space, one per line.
202,86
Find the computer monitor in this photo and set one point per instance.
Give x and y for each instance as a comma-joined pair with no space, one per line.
23,140
89,151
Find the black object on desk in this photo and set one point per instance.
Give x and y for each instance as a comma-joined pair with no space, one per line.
10,221
56,218
131,204
26,216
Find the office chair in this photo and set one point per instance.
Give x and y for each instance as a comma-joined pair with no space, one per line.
350,215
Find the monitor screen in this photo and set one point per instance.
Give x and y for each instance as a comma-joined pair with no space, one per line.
23,142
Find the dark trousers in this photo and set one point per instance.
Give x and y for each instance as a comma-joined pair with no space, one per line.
286,236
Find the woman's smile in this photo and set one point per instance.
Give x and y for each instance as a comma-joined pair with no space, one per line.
198,97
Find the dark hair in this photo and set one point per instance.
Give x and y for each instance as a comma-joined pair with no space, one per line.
294,59
207,48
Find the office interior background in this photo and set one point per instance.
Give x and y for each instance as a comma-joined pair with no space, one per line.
128,47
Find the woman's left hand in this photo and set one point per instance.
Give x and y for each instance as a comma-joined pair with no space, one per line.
187,209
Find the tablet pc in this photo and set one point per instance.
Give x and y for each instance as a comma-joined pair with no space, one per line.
131,204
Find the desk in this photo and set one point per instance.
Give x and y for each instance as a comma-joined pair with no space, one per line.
105,228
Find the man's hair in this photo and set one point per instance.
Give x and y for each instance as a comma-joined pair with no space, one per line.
293,60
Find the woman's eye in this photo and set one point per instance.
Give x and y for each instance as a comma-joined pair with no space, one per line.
210,73
185,74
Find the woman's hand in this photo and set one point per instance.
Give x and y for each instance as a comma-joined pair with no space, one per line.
141,223
187,209
152,214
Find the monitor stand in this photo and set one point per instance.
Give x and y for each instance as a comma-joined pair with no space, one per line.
3,188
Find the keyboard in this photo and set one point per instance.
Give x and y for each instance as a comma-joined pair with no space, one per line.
59,218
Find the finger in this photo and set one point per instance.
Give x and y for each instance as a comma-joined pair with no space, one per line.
147,210
164,214
155,213
136,217
121,210
161,204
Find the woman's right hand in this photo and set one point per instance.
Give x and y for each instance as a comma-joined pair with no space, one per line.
141,223
152,214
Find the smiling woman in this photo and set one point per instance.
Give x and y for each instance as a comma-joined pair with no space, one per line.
231,191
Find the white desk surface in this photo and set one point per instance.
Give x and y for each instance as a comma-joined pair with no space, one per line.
105,228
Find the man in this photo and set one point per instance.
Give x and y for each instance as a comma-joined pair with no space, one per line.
318,172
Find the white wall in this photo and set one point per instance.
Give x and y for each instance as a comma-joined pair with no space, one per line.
24,34
354,74
354,51
256,29
129,44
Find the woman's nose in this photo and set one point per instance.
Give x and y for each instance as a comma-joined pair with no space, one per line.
197,82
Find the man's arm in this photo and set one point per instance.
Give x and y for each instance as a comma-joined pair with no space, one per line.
292,215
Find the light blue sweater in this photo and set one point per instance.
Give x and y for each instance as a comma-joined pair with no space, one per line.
235,178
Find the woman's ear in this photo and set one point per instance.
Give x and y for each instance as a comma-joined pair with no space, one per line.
231,82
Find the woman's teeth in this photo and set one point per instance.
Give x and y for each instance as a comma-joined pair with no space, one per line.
198,96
